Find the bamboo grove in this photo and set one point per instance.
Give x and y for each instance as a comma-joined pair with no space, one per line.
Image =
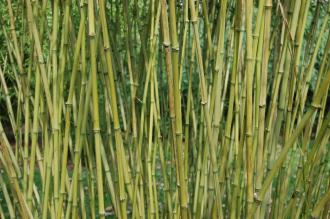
164,109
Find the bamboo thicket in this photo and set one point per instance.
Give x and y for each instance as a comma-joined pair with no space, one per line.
164,109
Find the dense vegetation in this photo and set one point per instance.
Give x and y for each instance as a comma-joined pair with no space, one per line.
164,109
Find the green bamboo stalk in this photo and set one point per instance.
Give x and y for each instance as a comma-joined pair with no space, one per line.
177,104
320,204
205,107
291,140
68,110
